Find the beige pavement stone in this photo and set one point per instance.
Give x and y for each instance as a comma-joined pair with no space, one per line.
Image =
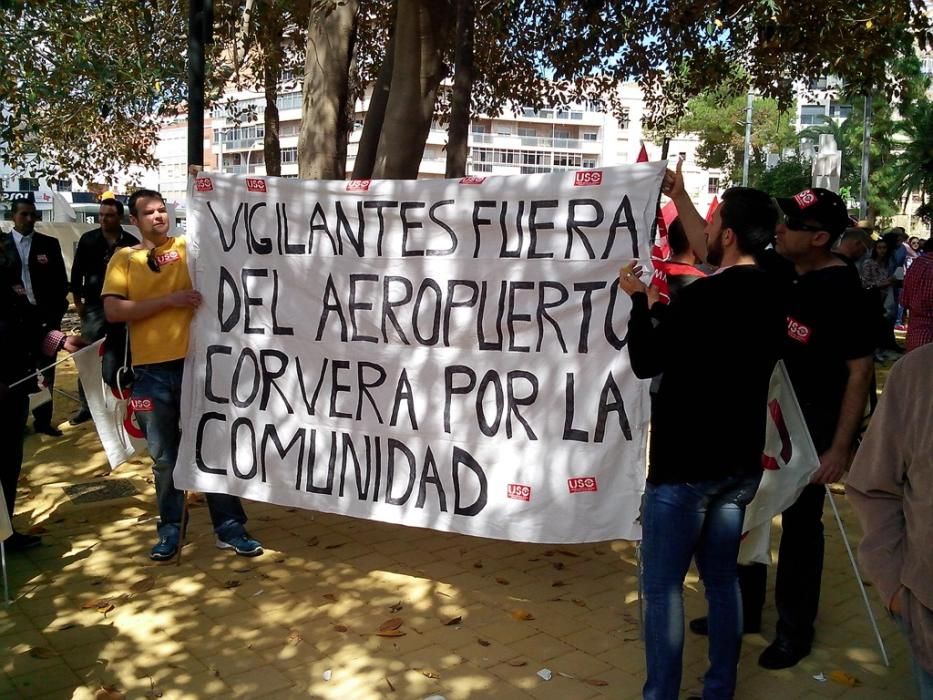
257,682
51,678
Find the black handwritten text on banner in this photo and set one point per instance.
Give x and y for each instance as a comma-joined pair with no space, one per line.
446,354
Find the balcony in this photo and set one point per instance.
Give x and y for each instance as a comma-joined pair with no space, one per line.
546,142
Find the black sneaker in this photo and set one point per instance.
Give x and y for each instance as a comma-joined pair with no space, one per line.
82,416
782,654
48,429
19,542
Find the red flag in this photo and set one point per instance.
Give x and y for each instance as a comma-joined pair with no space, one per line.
713,206
669,212
642,154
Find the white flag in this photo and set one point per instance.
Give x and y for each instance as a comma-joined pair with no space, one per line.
6,525
789,460
113,415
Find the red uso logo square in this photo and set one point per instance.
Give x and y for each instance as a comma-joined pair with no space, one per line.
255,184
358,185
168,257
805,199
203,184
520,492
798,331
472,180
580,484
141,405
584,178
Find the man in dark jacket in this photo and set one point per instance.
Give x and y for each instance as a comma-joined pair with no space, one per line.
95,248
36,260
23,341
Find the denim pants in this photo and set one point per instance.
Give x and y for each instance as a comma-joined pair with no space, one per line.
680,522
157,396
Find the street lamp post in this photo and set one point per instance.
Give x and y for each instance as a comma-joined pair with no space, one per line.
249,152
748,139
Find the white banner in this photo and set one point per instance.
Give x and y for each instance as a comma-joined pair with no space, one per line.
789,460
446,354
113,417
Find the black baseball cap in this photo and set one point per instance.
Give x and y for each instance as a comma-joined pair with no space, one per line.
821,206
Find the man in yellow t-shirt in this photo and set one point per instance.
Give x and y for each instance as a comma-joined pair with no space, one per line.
148,287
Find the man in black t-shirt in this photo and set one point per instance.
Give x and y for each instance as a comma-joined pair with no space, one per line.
828,352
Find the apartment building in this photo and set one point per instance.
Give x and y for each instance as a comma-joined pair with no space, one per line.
520,141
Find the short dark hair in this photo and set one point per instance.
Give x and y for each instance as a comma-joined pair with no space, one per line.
17,203
855,233
143,194
927,246
115,203
752,215
677,237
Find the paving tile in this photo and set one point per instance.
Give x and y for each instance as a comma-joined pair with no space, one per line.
52,678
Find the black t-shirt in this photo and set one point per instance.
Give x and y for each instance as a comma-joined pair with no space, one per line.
828,324
90,263
716,344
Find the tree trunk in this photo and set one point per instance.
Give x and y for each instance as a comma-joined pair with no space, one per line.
458,131
331,36
420,29
375,117
271,68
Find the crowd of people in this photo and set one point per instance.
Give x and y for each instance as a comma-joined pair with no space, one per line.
765,279
819,295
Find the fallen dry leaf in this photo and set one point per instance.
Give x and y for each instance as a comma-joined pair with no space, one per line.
567,553
502,581
330,596
596,681
395,608
108,692
341,628
96,603
430,674
454,621
558,584
143,585
37,530
65,626
477,565
519,614
294,637
559,565
389,683
483,642
390,633
843,678
231,583
335,546
243,570
518,662
393,623
42,653
578,602
550,552
314,541
600,552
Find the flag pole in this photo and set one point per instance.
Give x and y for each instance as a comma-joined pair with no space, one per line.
6,584
38,372
858,578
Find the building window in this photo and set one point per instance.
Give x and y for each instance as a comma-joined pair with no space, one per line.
28,184
479,128
589,162
926,65
62,185
590,136
812,114
289,155
839,111
624,119
712,185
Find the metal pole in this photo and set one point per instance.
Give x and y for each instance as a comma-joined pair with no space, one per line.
858,577
748,139
866,155
196,36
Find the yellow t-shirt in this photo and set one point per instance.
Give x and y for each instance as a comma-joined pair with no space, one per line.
162,336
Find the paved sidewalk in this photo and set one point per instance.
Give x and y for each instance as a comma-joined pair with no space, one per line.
313,617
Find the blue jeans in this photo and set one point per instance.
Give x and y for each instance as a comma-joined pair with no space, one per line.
682,521
157,401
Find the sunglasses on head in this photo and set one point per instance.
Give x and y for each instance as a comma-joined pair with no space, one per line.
152,262
796,223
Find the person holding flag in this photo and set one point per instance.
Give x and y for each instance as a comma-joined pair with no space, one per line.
707,435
